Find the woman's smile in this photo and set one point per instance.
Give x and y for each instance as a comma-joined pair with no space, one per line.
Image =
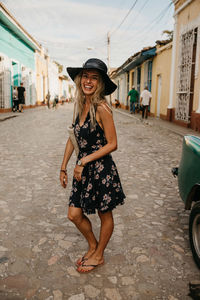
89,81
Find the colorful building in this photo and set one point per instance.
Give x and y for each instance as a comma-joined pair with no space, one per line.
161,79
17,60
23,59
42,80
137,71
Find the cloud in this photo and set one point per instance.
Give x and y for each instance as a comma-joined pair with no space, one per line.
67,28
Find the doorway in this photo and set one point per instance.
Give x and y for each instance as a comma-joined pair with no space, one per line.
159,85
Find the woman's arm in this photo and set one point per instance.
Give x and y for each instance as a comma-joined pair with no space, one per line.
67,154
105,119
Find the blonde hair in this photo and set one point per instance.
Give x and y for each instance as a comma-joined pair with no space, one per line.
97,98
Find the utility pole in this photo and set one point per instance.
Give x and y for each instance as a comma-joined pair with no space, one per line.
108,58
108,50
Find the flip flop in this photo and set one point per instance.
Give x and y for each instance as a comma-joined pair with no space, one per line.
81,260
85,266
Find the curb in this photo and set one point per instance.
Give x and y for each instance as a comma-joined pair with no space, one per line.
153,123
6,118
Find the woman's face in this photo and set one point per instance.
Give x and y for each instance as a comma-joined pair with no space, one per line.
89,82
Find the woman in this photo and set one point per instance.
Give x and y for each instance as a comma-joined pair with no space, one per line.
96,184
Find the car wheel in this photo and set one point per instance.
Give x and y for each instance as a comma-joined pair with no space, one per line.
194,232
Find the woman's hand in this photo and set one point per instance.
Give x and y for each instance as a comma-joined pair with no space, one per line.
63,178
78,172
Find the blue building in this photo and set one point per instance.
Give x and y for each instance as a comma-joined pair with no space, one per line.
17,60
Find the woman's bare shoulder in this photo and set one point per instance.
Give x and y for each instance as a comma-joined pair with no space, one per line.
103,106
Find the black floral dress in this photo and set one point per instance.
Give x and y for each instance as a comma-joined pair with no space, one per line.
100,188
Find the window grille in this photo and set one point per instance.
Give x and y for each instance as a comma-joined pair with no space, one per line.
145,74
5,83
186,62
149,79
1,91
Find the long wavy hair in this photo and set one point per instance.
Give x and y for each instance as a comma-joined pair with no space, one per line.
97,98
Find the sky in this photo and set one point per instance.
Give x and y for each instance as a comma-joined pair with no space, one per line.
75,30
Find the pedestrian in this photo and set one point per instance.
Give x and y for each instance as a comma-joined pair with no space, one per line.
117,103
15,99
21,96
96,184
134,97
48,96
145,100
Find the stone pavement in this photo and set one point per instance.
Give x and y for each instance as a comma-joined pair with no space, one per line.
148,256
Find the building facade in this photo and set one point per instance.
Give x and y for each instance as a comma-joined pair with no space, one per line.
42,79
137,71
23,59
161,79
184,102
17,60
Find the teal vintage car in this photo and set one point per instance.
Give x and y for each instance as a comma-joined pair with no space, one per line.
189,188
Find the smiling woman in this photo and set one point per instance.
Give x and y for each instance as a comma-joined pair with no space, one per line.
89,81
96,184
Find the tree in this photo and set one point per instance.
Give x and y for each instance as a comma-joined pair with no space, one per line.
60,67
169,34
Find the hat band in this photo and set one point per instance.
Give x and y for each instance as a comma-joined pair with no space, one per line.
94,66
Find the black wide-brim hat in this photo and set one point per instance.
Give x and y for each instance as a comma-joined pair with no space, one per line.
99,65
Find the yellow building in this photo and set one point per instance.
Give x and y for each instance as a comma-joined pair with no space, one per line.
184,101
161,79
42,81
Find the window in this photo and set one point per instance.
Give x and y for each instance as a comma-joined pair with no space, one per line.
186,73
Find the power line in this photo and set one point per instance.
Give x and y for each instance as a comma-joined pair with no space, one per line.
117,15
145,30
124,17
148,27
135,18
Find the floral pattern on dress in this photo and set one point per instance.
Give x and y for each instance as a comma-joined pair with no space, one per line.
100,188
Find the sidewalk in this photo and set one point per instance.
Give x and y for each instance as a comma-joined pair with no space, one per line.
151,121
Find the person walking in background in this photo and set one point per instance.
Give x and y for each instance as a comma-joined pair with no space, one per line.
117,103
96,184
134,97
15,99
145,100
21,96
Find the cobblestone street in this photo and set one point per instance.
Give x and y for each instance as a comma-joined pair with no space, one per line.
148,256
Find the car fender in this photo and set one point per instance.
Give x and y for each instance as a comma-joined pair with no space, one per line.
194,195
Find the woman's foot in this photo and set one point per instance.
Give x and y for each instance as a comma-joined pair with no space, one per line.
90,264
85,257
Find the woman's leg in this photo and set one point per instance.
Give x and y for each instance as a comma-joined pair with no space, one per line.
107,226
84,225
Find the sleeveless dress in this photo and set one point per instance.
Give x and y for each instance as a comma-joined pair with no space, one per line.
100,188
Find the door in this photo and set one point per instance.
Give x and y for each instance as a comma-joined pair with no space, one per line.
138,79
15,74
159,80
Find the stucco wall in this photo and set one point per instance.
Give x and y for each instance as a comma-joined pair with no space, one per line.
16,49
42,76
121,91
162,67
